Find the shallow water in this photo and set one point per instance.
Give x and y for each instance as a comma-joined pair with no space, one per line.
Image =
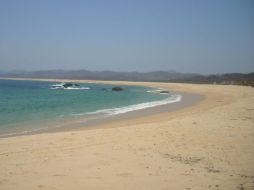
25,103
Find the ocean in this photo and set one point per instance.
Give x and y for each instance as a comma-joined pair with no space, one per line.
29,106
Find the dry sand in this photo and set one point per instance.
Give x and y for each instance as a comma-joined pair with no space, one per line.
209,145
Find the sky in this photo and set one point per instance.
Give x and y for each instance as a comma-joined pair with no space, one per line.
197,36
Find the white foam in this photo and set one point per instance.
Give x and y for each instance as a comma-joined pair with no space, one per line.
74,87
77,88
23,132
107,112
158,91
115,111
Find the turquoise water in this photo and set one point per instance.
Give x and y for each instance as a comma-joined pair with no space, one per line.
26,102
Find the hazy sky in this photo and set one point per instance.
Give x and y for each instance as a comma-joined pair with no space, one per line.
201,36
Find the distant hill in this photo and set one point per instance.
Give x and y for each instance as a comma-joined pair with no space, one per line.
229,78
156,76
98,75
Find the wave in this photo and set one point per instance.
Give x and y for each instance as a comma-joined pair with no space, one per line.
71,88
105,112
22,132
121,110
77,88
158,91
68,86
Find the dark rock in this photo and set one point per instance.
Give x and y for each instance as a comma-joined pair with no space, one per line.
117,89
67,85
164,92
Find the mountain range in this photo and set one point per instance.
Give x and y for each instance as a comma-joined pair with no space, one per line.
98,75
156,76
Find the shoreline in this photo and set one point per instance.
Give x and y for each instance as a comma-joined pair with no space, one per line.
113,120
207,145
70,124
187,100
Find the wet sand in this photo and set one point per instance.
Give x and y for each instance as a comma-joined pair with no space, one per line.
205,145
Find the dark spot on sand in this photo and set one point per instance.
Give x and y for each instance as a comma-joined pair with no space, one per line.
59,175
40,186
240,187
185,160
124,174
210,169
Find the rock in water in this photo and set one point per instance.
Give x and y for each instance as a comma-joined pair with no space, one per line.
117,88
164,92
66,85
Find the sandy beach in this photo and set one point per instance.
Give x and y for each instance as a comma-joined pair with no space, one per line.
206,145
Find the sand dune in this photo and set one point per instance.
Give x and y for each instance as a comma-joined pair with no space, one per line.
209,145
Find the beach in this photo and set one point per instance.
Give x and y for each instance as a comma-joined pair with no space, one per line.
205,145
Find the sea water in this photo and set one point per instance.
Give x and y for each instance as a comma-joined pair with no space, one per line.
24,103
